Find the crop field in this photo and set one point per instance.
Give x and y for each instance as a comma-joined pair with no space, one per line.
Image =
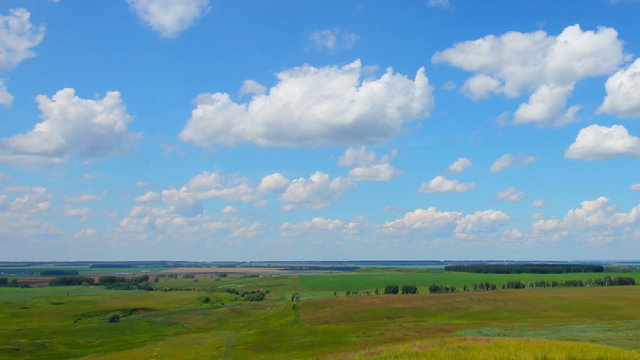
209,318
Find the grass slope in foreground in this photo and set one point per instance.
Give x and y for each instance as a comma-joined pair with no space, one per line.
548,323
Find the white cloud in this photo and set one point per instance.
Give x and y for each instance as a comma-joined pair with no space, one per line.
538,203
366,167
623,92
85,233
83,198
443,4
480,86
317,223
512,160
597,142
24,215
316,192
421,219
169,17
148,197
635,187
379,172
546,66
213,185
90,128
153,224
17,37
312,107
547,102
274,183
446,223
513,233
186,201
441,184
332,39
6,99
459,165
592,216
511,195
252,87
79,212
357,157
249,231
141,184
481,222
228,210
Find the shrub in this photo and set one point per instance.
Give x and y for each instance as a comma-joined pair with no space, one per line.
391,289
113,317
409,289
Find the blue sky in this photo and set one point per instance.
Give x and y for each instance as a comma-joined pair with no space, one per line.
319,130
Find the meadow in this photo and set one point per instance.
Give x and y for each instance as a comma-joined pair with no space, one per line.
206,318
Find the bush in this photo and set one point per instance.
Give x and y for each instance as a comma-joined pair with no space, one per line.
113,317
391,289
409,289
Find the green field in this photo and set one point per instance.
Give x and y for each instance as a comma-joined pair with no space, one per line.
557,323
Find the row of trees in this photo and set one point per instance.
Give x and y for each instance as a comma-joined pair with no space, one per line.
6,282
517,284
526,268
249,295
512,284
109,282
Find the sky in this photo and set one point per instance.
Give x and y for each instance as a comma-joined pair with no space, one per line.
319,130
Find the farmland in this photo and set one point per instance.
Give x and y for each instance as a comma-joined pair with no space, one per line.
208,317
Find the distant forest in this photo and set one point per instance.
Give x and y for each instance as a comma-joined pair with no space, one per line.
526,268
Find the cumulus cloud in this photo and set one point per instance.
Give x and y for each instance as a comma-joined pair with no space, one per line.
480,86
446,222
6,99
150,223
623,93
459,165
481,222
547,66
252,87
311,107
635,187
366,167
441,184
316,192
332,39
597,142
317,223
510,195
592,215
273,184
17,37
169,17
23,212
150,196
507,161
90,128
228,210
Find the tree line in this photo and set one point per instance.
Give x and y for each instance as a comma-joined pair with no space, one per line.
526,268
487,286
